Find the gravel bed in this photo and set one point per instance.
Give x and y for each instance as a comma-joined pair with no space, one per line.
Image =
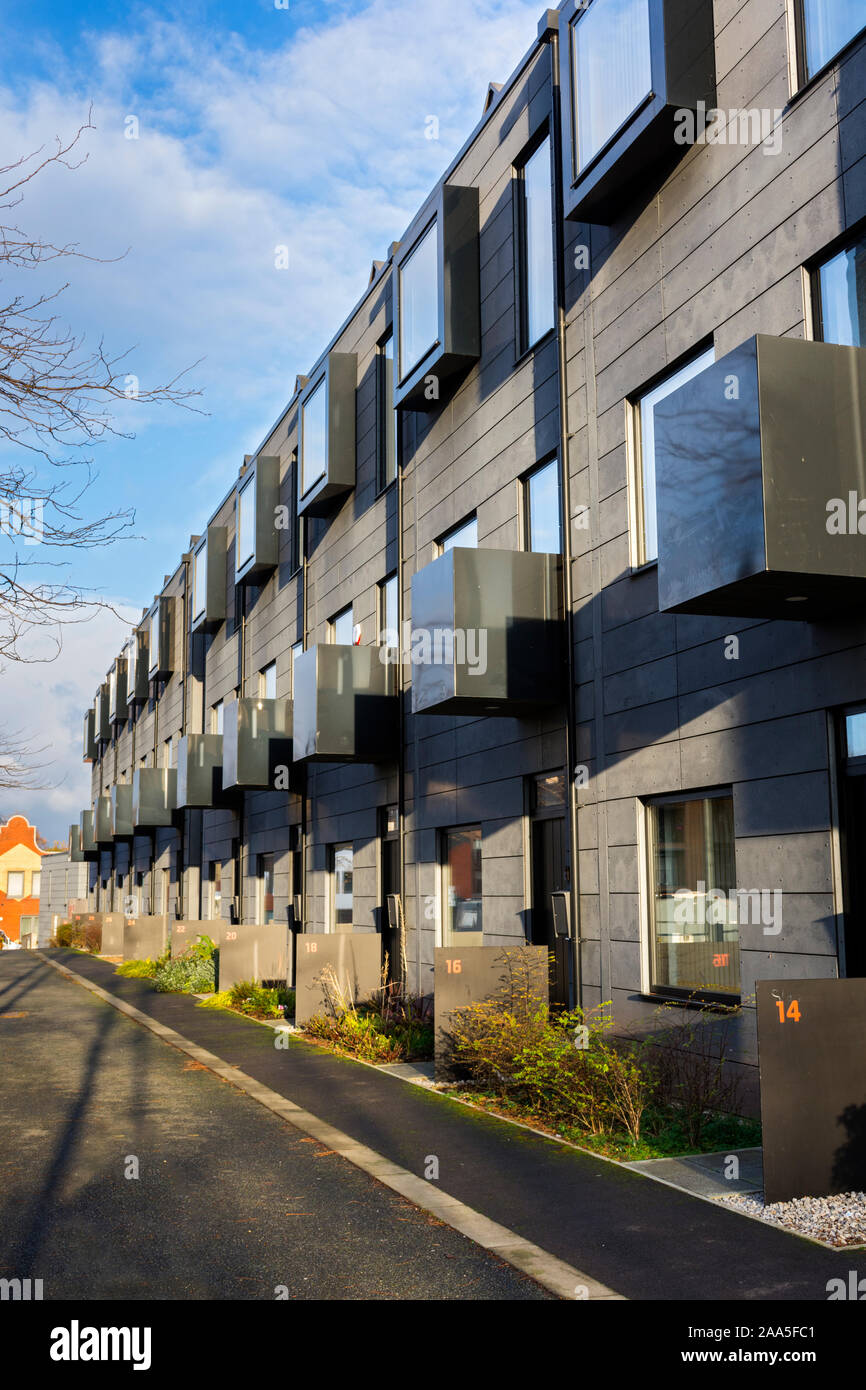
838,1220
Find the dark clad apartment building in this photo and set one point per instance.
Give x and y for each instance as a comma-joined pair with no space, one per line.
538,615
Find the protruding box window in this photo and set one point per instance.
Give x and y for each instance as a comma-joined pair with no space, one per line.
344,706
101,711
89,747
487,633
633,73
136,656
117,692
326,469
437,303
758,474
256,535
209,580
159,626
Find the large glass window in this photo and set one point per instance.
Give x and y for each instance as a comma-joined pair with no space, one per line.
153,639
466,535
645,447
199,582
268,681
389,634
693,910
35,883
266,889
216,717
461,887
389,422
827,26
841,284
612,70
216,893
419,302
543,530
131,666
342,628
296,652
343,859
314,437
536,247
14,884
246,523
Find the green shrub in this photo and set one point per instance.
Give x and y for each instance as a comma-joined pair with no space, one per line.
391,1027
363,1035
187,974
78,936
260,1001
137,969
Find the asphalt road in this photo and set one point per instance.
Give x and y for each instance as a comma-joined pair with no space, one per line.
230,1202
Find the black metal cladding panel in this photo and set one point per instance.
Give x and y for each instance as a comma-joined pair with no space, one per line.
117,701
266,486
340,384
708,483
345,705
102,831
87,839
89,748
121,811
456,212
154,796
813,438
683,74
211,553
199,770
811,1043
488,633
257,741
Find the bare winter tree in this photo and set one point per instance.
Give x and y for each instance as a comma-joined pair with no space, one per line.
57,399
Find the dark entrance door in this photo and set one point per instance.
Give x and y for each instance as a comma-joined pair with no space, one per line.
550,874
390,868
853,838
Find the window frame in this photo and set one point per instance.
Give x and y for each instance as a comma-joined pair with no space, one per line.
388,439
634,449
403,373
852,237
523,345
805,78
332,626
441,545
525,483
334,850
672,994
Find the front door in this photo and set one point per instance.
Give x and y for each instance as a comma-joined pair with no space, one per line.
550,874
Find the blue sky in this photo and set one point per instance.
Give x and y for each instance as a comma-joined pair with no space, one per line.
258,127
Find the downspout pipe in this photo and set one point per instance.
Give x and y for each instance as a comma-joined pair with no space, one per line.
549,32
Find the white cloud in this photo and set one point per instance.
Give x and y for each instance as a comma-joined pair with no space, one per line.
44,702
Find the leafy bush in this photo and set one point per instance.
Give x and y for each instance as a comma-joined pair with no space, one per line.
187,974
560,1067
78,936
392,1027
363,1035
693,1085
259,1000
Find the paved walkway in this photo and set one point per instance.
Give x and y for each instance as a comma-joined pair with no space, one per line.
640,1238
228,1202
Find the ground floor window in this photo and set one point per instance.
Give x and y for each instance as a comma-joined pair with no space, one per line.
216,890
266,888
342,867
693,902
461,887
